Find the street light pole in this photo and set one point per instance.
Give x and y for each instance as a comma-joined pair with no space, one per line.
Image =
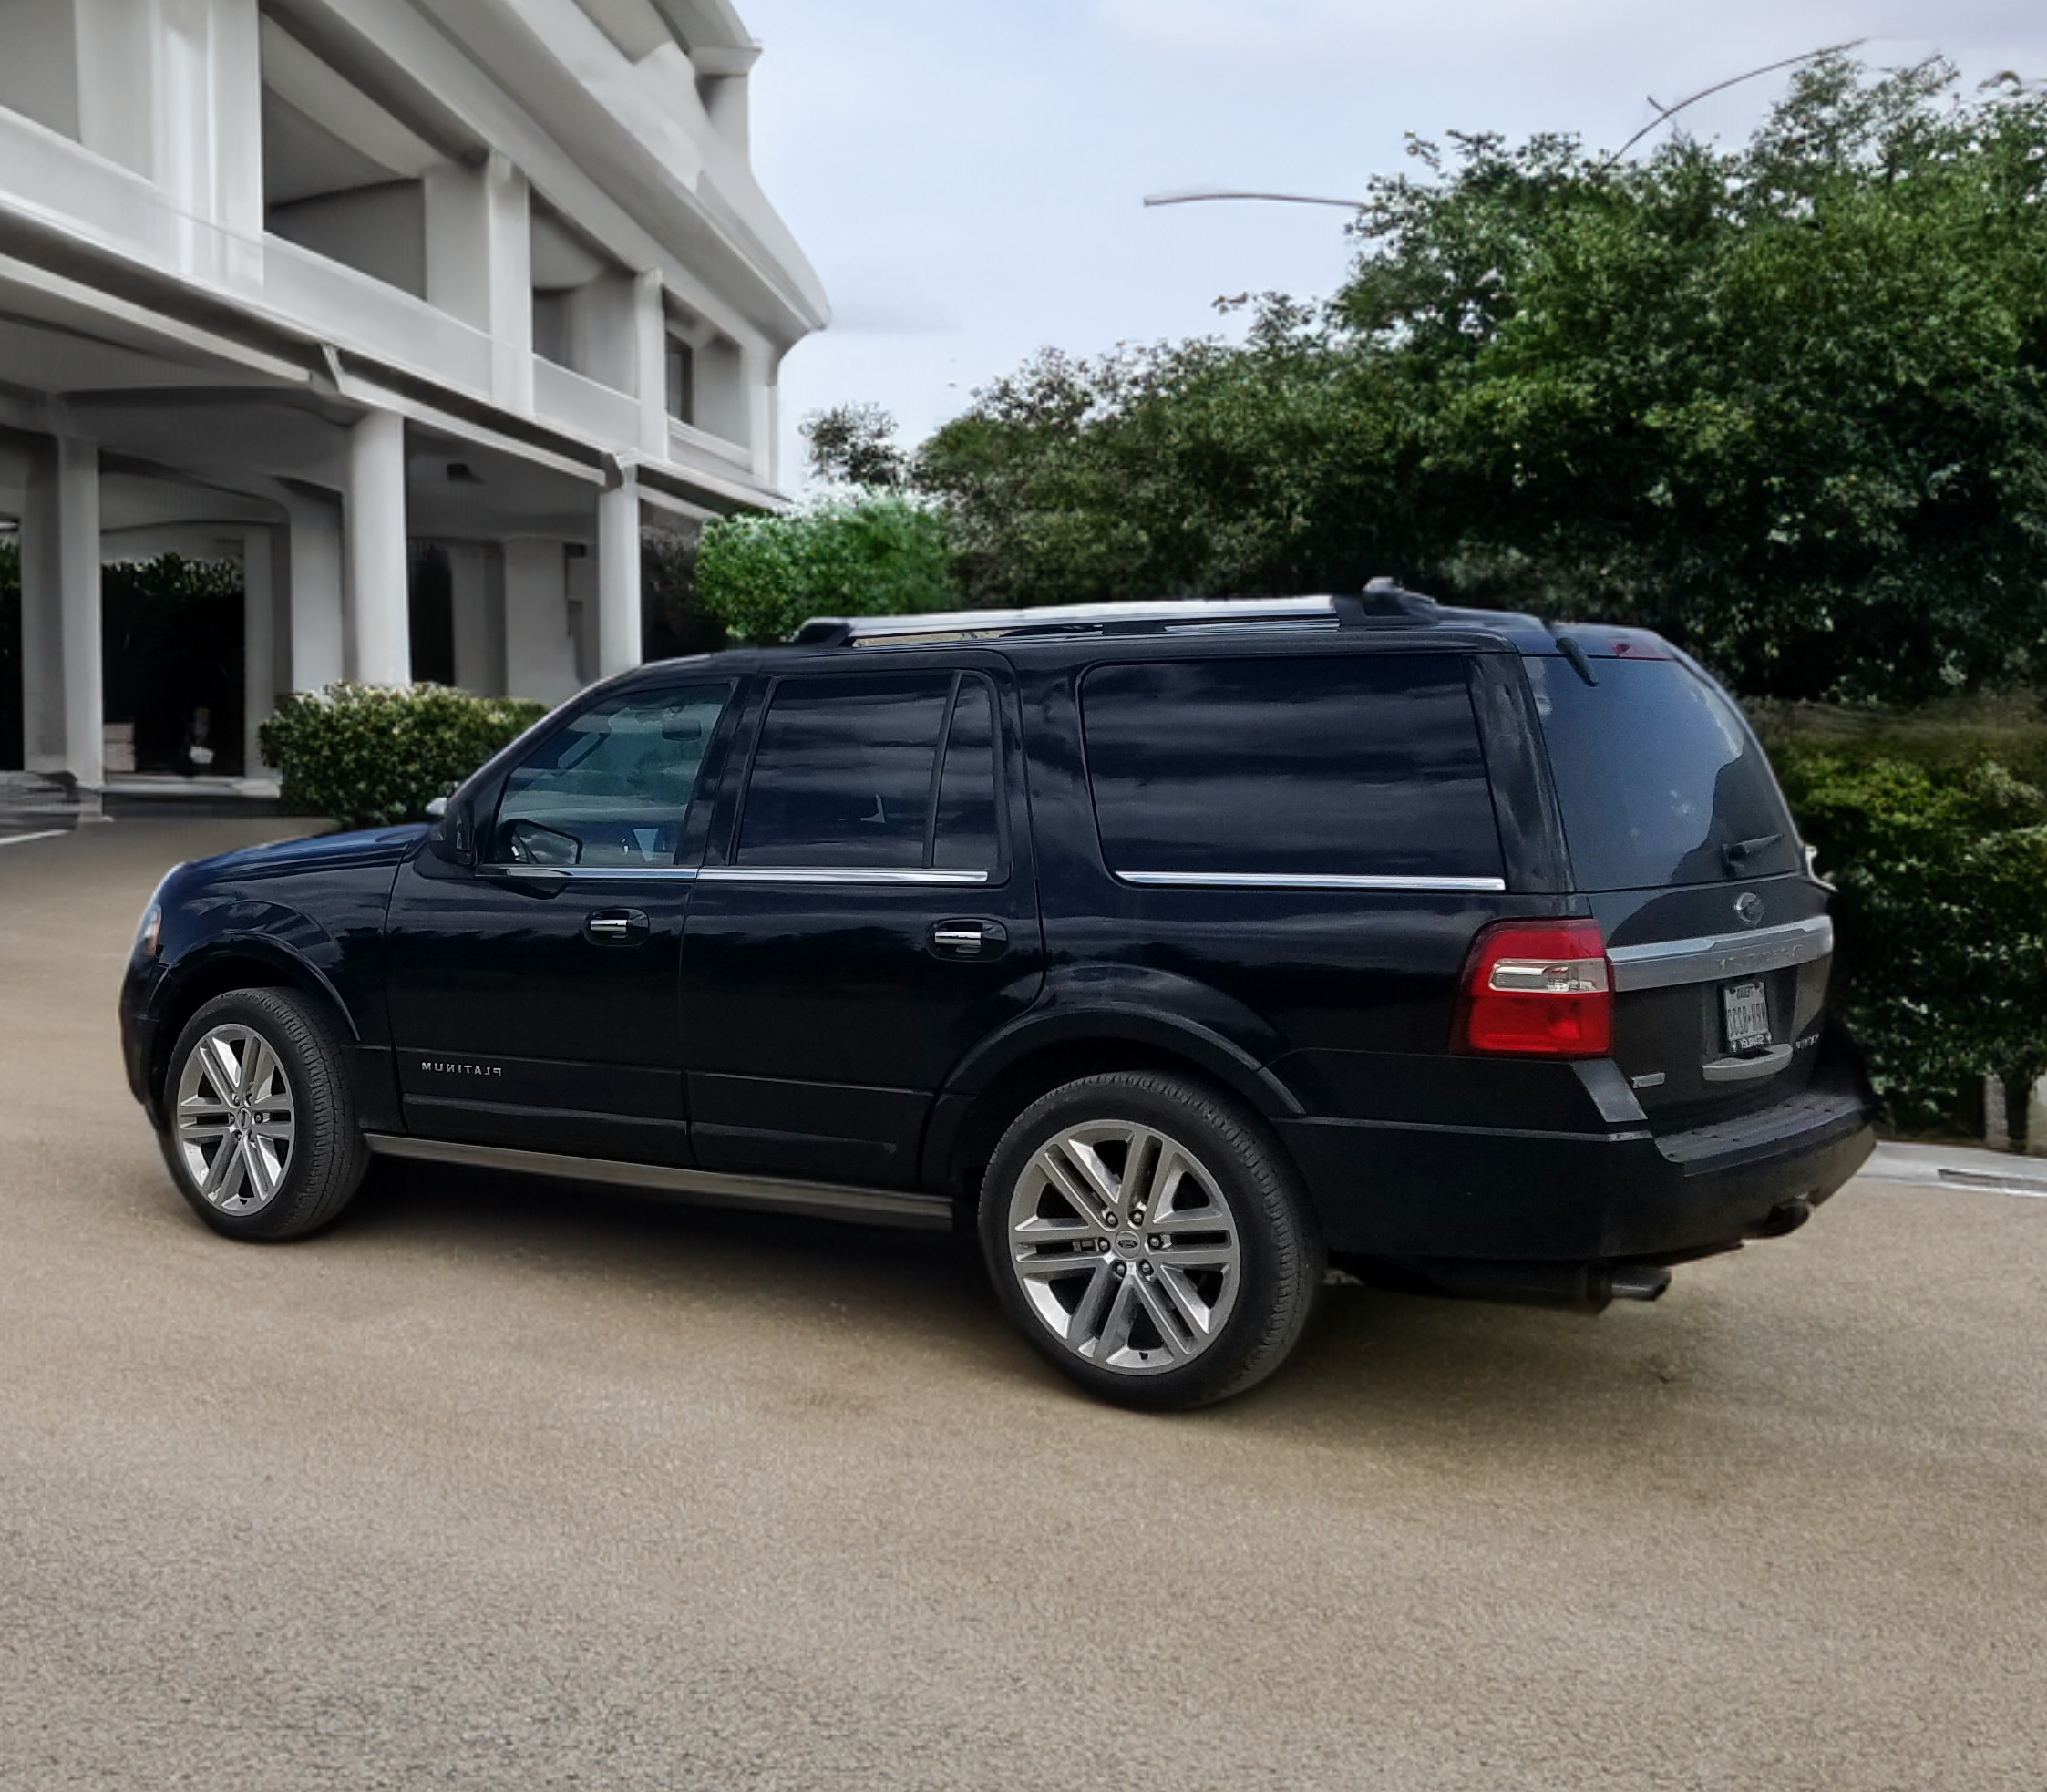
1195,194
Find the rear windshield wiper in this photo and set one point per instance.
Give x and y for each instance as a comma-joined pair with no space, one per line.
1735,852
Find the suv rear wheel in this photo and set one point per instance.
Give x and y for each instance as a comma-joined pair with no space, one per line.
1149,1240
262,1139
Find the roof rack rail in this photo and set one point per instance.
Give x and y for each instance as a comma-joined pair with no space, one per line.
1380,601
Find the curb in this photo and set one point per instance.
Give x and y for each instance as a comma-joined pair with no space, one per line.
1958,1167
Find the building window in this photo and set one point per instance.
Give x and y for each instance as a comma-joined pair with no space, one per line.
681,372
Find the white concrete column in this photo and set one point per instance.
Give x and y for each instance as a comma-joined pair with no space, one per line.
118,52
313,563
764,414
258,646
378,568
540,648
618,576
60,664
479,265
477,602
649,358
2036,1120
208,157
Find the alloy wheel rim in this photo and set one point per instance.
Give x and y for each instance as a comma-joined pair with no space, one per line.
235,1119
1124,1247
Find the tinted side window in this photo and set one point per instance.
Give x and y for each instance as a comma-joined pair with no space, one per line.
1658,776
613,788
1359,766
848,772
965,819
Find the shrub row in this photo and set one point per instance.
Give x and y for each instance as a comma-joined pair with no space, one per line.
371,754
1939,854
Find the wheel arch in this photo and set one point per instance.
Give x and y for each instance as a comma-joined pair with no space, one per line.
1009,1072
241,963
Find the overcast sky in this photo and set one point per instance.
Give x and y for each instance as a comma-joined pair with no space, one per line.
967,175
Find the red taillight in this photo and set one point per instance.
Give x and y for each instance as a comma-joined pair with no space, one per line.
1538,989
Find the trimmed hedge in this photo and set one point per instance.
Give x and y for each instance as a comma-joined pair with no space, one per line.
1941,920
371,754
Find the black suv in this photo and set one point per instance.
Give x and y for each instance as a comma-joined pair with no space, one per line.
1182,946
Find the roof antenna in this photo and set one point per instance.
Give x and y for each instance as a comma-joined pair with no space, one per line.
1566,645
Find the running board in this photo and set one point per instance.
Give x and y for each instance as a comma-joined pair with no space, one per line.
707,1188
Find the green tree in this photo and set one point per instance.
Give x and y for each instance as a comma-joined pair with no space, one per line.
1787,401
763,577
855,445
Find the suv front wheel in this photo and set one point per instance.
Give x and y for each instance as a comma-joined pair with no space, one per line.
262,1139
1149,1240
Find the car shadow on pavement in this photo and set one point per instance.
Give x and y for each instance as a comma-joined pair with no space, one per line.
1373,1365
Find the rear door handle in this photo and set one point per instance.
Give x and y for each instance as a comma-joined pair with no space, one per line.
616,927
969,939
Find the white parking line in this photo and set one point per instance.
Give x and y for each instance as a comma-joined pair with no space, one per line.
47,834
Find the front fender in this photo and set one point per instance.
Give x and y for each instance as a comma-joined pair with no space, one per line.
292,944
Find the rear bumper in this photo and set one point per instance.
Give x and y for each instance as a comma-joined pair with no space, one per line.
1402,1192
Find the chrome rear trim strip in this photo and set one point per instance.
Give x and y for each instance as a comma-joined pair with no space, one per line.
1290,881
708,1188
1746,1069
1663,963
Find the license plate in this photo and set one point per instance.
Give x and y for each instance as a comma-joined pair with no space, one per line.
1747,1009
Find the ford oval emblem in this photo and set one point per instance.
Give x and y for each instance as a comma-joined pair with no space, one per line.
1748,905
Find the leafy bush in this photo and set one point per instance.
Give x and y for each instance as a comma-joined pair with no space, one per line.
868,554
1942,920
371,754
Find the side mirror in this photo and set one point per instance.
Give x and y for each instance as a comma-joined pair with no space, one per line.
453,834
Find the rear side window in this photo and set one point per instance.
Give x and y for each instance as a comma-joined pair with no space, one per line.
877,770
1659,778
1364,766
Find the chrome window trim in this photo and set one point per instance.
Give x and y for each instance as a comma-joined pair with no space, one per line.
1708,958
916,874
589,873
1292,880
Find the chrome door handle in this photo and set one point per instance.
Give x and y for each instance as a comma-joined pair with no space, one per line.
616,927
969,939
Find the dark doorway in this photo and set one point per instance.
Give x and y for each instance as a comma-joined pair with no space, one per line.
432,617
172,662
10,654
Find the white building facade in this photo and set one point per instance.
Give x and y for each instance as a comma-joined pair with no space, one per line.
315,283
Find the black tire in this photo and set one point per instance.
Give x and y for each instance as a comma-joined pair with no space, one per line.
1276,1265
325,1156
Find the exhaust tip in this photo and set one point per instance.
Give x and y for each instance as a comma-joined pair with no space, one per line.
1786,1216
1639,1284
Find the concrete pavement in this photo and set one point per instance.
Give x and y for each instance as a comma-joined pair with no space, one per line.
502,1485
